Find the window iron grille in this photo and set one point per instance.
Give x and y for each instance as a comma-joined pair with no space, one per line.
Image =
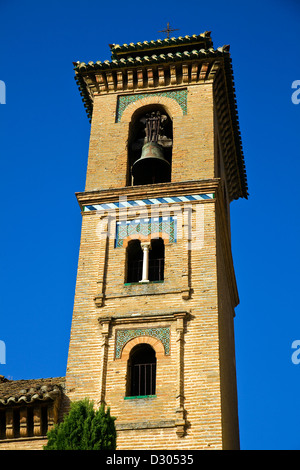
143,379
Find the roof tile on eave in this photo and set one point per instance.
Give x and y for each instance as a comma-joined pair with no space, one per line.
82,69
146,60
27,391
236,126
181,40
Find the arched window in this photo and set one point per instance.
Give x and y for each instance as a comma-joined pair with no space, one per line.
157,260
150,146
134,261
141,373
145,261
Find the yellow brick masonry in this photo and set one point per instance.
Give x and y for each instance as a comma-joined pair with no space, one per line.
201,339
193,146
28,443
199,374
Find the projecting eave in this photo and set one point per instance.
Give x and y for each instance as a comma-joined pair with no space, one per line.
22,392
120,75
195,41
227,111
106,196
148,73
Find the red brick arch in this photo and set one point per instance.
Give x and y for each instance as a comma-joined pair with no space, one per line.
154,342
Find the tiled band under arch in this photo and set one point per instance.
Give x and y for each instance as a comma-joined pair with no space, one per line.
180,96
146,227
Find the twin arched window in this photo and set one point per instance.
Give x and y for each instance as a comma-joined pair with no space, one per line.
143,266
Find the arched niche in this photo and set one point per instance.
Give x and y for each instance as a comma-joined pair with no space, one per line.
141,371
150,143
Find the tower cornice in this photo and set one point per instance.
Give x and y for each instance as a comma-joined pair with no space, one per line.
194,41
86,198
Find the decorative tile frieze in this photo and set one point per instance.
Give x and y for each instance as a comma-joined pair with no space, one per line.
123,336
146,227
145,202
178,95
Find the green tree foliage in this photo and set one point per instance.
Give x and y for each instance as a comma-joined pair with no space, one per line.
83,428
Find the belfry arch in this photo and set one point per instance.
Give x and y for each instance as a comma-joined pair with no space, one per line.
150,142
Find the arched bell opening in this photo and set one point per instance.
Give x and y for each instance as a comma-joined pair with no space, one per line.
150,146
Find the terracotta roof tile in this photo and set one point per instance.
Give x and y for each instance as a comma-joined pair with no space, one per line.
150,59
27,391
167,43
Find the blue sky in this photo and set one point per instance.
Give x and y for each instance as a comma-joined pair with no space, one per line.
43,150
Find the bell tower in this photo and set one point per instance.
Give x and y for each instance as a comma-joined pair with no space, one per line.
152,333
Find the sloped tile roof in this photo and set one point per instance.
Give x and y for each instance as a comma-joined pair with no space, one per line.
204,38
150,60
27,391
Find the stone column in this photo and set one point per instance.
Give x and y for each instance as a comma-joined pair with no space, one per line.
146,246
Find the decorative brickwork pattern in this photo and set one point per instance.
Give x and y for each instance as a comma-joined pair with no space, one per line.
179,95
123,336
146,227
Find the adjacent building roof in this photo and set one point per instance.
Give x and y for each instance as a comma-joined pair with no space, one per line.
27,391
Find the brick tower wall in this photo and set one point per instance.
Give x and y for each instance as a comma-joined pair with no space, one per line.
194,384
193,149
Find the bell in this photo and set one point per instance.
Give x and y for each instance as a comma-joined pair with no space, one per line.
151,167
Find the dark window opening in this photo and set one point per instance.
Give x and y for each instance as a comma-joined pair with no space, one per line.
157,260
2,424
44,420
29,422
141,371
16,422
134,261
